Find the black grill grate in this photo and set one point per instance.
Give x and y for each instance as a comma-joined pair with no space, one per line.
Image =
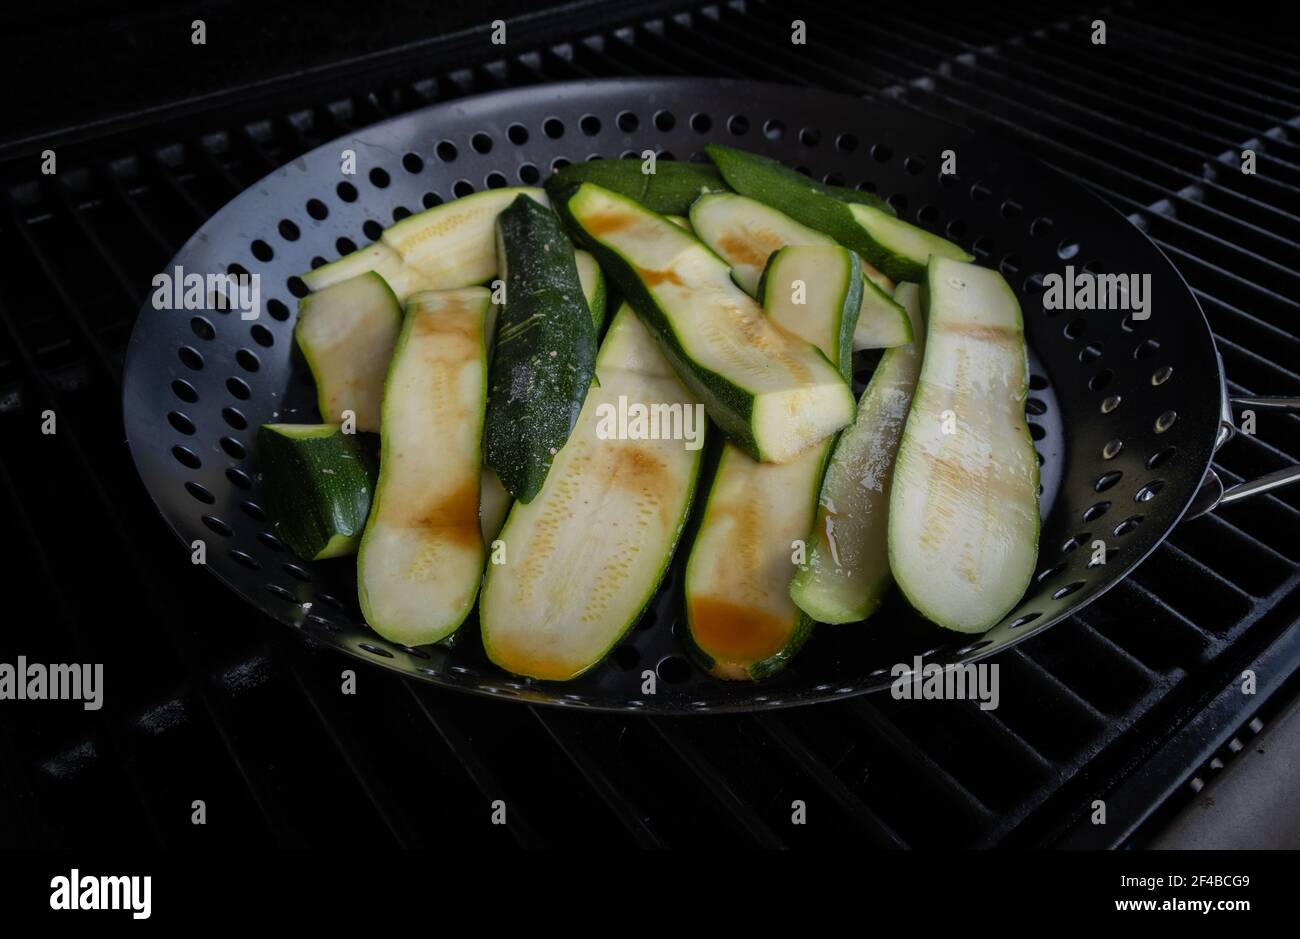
209,703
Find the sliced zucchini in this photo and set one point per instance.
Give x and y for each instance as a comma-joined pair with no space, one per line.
744,232
760,172
669,190
319,482
772,393
593,286
494,503
584,558
421,557
451,245
346,333
741,621
545,348
816,292
898,249
847,572
963,509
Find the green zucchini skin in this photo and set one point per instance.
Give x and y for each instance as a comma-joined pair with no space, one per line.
346,333
545,352
832,277
761,417
897,249
963,503
319,483
758,171
847,573
669,190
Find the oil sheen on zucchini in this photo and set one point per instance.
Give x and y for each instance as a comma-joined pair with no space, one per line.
898,249
346,333
584,558
963,508
741,621
847,572
422,556
451,245
545,348
319,483
772,393
744,232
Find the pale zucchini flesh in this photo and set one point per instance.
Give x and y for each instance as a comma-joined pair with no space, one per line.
847,572
583,558
745,232
592,280
346,333
422,555
448,246
815,292
772,393
741,622
963,508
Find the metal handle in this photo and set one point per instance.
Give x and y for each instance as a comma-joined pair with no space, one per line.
1213,493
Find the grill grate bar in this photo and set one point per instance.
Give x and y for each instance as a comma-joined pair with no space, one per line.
970,806
880,834
742,816
591,769
109,727
107,362
198,681
324,703
467,756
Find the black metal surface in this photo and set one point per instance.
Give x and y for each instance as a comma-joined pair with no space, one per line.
203,703
1103,385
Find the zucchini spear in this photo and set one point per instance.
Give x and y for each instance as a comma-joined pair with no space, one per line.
963,508
898,249
774,394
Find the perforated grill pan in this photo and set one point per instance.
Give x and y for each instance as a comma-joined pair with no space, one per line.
1124,413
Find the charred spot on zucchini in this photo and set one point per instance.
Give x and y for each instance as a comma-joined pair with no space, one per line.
963,505
770,391
421,557
319,483
847,573
584,558
745,233
451,245
669,190
545,348
346,333
898,249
